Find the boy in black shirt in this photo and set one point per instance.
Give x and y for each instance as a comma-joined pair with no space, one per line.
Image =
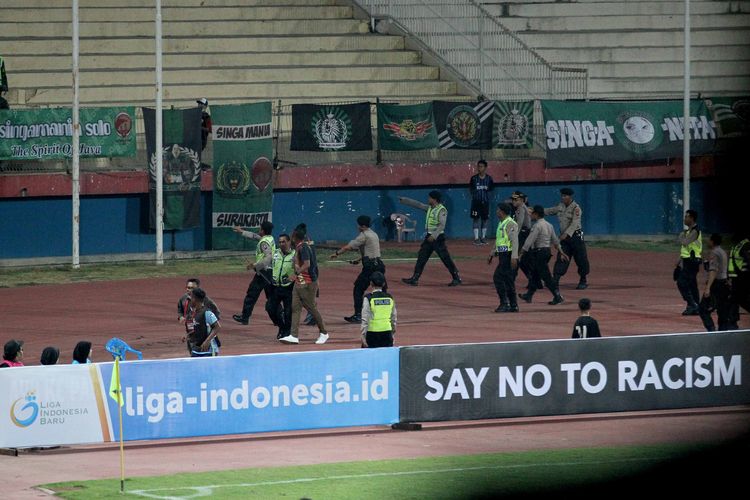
585,326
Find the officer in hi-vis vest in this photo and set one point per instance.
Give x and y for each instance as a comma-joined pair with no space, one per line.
739,278
686,272
279,304
261,282
434,240
378,324
506,251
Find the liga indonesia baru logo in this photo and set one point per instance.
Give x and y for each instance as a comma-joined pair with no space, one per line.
24,410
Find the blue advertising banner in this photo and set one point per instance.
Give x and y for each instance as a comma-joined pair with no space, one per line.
256,393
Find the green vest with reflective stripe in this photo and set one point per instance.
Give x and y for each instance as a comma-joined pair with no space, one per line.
381,307
737,263
432,220
259,255
283,266
502,240
696,247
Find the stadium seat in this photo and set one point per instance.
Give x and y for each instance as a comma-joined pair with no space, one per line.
404,226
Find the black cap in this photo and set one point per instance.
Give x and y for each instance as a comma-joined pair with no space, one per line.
377,278
539,210
567,191
12,348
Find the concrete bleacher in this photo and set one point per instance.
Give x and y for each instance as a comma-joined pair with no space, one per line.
634,49
226,50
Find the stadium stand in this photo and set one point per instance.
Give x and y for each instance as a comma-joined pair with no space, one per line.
633,49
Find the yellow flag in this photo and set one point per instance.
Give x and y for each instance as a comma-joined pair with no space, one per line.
115,389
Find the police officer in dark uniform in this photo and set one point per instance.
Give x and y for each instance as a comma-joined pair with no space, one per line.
506,251
378,325
739,277
368,244
571,238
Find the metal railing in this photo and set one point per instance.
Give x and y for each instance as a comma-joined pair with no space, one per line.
489,56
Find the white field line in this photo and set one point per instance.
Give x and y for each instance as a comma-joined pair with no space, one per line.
204,491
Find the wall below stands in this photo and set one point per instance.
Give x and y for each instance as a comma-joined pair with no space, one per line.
33,227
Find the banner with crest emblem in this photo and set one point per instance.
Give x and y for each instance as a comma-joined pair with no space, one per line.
181,165
464,125
513,125
406,127
243,173
331,127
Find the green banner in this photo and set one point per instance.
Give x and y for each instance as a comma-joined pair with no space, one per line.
243,173
731,115
586,133
406,127
47,134
513,125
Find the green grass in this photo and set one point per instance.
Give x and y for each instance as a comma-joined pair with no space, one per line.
448,477
57,274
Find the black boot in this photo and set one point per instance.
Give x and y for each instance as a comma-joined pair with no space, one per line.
582,285
455,281
413,281
557,299
526,296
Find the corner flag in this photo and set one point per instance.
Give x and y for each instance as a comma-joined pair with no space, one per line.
115,389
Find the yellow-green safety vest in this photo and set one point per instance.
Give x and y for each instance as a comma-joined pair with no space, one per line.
502,240
694,249
283,266
259,255
737,263
381,307
432,220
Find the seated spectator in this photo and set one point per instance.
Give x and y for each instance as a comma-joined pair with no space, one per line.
50,355
82,353
13,354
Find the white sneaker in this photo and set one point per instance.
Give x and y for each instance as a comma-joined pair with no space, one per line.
289,339
322,338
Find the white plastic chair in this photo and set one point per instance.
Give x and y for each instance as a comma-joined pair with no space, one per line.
404,226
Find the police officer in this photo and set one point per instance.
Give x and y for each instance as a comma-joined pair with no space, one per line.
368,244
739,276
378,325
541,238
434,240
691,247
279,304
716,291
261,282
523,218
506,251
571,237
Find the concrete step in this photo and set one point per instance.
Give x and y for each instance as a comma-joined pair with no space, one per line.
147,14
248,75
665,38
24,64
209,45
126,29
180,94
624,23
583,56
611,87
667,69
608,8
66,4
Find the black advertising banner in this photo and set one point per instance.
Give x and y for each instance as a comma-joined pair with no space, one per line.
181,166
587,133
464,125
513,125
513,379
339,127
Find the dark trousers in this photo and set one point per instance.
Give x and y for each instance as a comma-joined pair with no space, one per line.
438,246
504,279
718,300
362,283
575,248
279,309
687,281
379,339
261,282
524,262
739,298
539,262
